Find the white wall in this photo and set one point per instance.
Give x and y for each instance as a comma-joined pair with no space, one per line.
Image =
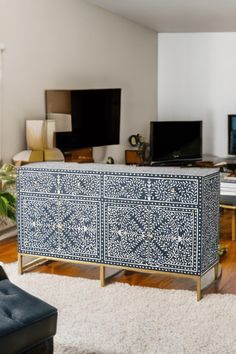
196,80
69,44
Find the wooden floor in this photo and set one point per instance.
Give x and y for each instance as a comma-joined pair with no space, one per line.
226,284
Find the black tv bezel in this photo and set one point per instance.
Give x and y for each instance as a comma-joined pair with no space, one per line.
172,159
230,118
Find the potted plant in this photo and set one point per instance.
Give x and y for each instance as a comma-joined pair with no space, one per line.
8,192
8,205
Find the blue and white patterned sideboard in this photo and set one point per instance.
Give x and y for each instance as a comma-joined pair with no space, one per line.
146,218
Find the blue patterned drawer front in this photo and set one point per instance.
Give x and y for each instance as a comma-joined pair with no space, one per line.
29,181
123,187
88,185
168,190
61,183
151,237
171,190
62,227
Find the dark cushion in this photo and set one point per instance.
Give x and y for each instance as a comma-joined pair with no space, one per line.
24,319
2,273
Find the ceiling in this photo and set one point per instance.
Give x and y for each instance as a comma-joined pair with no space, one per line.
176,15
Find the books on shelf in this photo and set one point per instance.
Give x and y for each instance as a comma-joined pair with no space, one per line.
220,164
228,184
227,177
228,192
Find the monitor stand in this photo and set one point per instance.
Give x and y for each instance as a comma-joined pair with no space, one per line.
205,161
188,163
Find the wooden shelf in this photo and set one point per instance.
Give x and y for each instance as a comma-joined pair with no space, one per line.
132,157
83,155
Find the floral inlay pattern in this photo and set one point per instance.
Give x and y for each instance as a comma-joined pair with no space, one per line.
150,235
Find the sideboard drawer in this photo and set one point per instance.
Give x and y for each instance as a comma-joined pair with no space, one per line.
166,190
175,190
59,227
79,184
125,187
151,236
31,182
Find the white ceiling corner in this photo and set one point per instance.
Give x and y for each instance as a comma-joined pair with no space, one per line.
176,15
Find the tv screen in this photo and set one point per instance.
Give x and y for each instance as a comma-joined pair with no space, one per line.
175,141
95,116
232,134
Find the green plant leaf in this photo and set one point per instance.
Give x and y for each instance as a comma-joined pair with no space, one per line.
8,178
3,206
9,198
11,213
7,167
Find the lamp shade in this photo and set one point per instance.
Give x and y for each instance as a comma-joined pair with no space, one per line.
62,121
50,128
35,134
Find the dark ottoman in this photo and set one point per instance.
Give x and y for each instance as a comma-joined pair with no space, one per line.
27,324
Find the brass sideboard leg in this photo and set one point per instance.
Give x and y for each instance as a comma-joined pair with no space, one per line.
216,270
102,275
199,295
20,264
233,224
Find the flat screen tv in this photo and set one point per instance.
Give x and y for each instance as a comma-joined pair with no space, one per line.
232,134
95,116
173,142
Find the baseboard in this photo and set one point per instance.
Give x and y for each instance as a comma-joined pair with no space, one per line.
8,232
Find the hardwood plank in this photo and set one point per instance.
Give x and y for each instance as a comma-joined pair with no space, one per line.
225,285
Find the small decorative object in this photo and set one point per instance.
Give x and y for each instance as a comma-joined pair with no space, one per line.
139,141
110,160
133,140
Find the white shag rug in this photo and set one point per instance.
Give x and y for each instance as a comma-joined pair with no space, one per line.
124,319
